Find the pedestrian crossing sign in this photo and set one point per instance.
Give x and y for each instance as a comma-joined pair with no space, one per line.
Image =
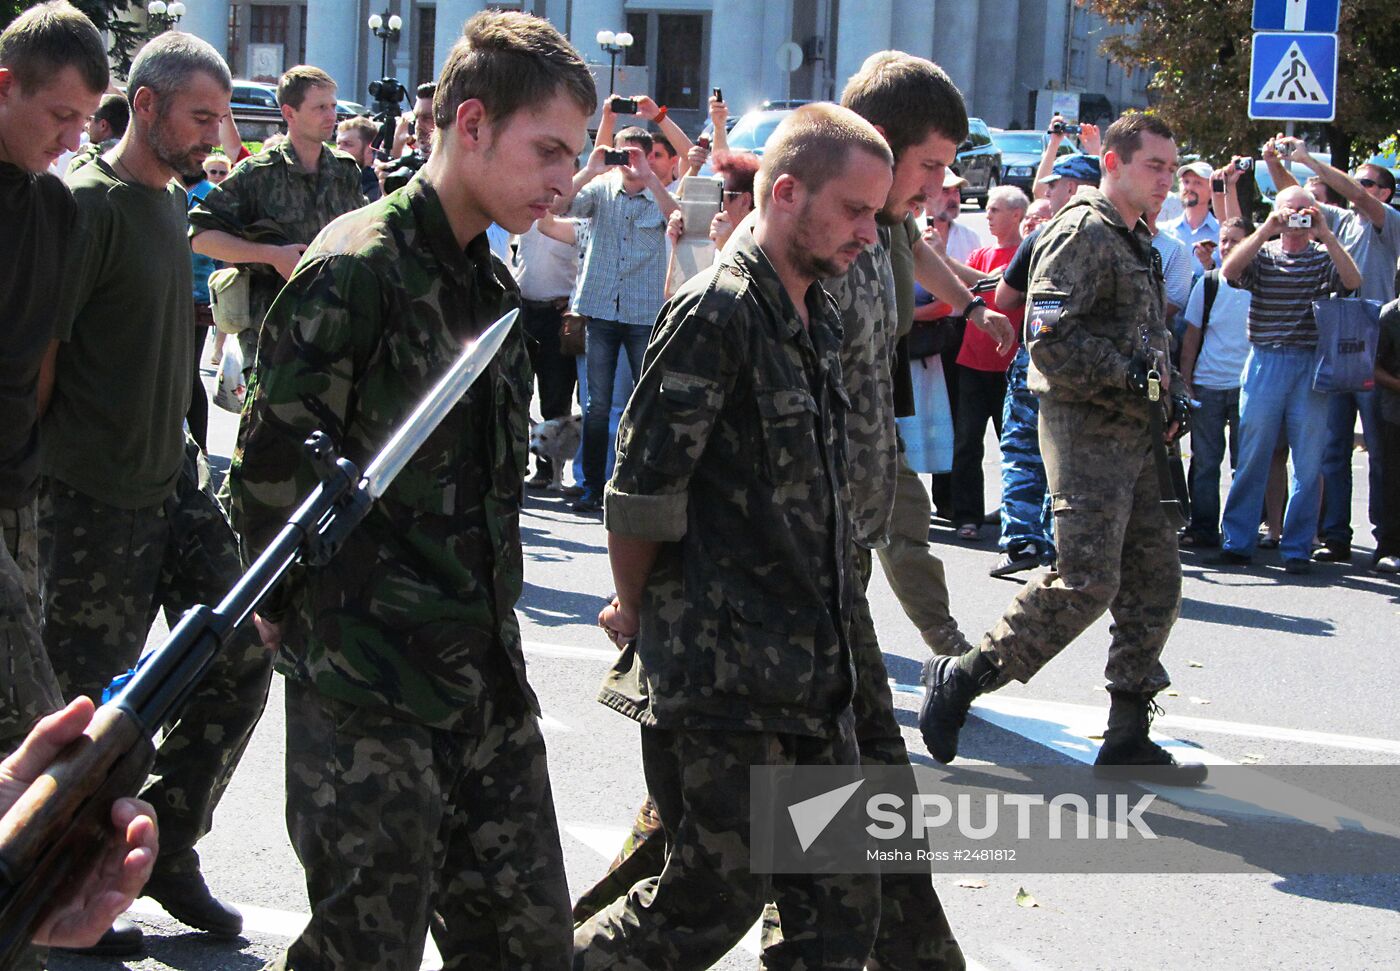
1293,77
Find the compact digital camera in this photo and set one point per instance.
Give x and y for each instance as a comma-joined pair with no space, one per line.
1299,220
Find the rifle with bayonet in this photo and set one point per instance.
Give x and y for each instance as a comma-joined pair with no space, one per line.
49,837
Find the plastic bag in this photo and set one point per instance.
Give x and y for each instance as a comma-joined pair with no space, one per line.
1347,331
231,391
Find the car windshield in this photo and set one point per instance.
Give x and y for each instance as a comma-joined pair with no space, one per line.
1029,143
753,131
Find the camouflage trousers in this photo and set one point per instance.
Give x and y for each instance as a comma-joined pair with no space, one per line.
706,897
394,821
28,687
1026,514
913,931
104,573
1117,551
914,572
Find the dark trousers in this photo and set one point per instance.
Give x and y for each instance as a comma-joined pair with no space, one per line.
604,337
554,372
198,414
980,398
1388,542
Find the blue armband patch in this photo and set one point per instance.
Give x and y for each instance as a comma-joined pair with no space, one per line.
1043,316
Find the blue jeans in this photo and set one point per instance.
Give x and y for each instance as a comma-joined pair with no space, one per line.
1342,410
604,338
1219,410
1277,395
1026,515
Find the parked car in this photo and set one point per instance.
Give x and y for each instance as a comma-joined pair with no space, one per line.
1020,156
978,161
253,94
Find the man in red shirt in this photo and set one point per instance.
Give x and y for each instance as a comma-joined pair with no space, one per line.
981,368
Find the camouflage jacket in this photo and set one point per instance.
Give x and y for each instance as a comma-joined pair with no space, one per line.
732,455
415,615
269,198
1095,290
865,297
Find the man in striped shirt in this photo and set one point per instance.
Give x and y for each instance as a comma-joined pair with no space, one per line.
1285,276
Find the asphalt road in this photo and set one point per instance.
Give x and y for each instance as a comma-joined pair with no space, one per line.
1269,669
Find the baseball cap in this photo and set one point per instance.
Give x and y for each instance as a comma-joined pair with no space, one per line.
1085,168
1202,169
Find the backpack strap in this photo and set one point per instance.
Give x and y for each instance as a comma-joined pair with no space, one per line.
1212,284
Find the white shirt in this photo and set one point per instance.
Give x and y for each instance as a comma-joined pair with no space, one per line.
962,242
545,268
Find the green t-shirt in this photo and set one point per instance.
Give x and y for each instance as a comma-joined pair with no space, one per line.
123,377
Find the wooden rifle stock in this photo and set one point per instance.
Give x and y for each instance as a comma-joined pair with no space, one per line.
52,836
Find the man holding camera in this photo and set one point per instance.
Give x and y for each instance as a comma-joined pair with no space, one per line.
272,205
624,276
1306,263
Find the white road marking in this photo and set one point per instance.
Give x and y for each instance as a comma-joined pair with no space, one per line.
551,724
1080,715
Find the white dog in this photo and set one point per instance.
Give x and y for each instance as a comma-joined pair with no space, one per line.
556,441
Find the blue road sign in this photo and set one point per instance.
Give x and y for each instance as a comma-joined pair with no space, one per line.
1293,77
1319,16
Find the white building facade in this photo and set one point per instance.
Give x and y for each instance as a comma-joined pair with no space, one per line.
999,52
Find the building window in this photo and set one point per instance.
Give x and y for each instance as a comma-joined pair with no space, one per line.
636,55
234,50
427,29
268,24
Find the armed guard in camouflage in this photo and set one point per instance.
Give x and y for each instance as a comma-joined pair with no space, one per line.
417,779
1095,327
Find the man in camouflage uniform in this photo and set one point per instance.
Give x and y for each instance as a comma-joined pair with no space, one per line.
272,205
1095,326
890,508
729,536
416,771
128,523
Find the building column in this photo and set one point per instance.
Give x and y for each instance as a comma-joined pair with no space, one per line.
775,82
956,47
333,36
995,93
452,15
914,30
862,29
738,53
208,20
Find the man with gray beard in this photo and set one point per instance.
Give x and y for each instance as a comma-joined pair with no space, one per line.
128,523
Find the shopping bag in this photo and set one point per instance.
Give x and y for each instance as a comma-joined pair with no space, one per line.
230,392
1347,331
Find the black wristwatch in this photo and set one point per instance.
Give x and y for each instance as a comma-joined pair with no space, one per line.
976,302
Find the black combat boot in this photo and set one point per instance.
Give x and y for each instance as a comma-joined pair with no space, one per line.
1127,744
180,889
950,683
122,939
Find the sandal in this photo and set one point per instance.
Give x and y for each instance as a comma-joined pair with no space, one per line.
969,531
1267,542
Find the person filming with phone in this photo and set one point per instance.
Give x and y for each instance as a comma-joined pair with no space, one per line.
623,278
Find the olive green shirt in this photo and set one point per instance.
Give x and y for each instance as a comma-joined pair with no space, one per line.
122,378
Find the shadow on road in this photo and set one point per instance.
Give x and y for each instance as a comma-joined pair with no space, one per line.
1234,616
549,607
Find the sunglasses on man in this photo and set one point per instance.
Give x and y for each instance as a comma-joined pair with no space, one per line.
1367,183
